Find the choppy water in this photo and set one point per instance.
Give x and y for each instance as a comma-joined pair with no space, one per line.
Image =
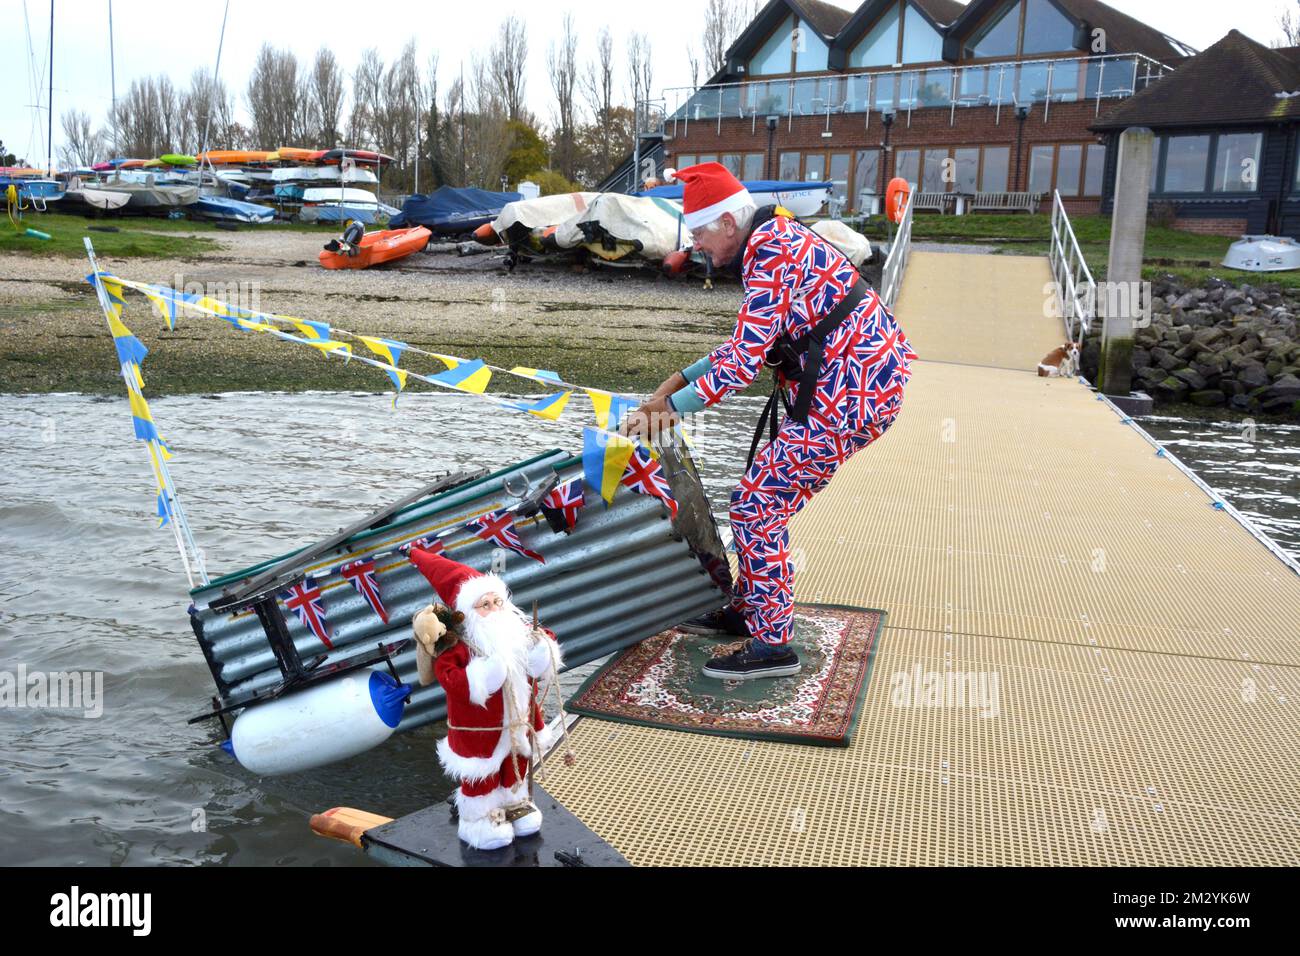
88,583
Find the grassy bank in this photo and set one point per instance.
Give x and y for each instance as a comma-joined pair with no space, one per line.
129,236
1191,257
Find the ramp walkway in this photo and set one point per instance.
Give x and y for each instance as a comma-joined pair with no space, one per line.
1146,645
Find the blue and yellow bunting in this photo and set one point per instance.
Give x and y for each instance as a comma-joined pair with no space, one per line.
604,459
548,407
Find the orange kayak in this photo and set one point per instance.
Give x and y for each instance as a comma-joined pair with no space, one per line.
292,154
377,247
233,157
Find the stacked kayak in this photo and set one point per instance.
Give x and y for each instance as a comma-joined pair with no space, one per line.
377,247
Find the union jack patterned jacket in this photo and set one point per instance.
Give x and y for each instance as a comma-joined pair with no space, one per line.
793,277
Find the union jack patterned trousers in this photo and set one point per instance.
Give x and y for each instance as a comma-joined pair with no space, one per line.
785,475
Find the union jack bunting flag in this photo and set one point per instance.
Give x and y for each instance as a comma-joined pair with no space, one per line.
362,576
304,600
498,527
644,476
431,544
565,500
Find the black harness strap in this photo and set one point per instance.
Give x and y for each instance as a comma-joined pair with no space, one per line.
784,359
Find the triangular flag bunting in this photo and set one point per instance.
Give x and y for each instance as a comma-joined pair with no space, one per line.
604,459
644,476
549,407
564,501
362,576
498,527
304,600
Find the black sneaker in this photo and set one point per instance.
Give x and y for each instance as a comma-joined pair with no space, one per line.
724,621
747,664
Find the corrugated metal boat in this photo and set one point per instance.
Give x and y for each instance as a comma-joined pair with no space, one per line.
259,652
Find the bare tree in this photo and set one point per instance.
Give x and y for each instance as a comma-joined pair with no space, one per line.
207,110
487,128
145,122
275,93
327,96
367,98
640,68
82,144
598,90
724,20
562,67
508,63
1289,21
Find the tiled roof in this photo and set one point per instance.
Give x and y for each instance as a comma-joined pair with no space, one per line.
1236,81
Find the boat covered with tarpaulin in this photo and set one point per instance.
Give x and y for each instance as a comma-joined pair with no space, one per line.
802,199
449,211
615,227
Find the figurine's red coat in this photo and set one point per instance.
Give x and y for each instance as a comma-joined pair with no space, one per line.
477,752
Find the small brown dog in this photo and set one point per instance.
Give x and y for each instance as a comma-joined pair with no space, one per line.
1063,361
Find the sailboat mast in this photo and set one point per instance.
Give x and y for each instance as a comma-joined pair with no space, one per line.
216,78
49,134
112,79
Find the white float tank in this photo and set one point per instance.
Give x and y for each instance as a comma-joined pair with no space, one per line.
1263,254
331,721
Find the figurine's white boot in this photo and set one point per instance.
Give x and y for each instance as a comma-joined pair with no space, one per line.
532,822
477,826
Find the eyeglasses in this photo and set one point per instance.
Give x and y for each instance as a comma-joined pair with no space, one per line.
483,603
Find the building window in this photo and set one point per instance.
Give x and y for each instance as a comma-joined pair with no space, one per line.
1236,163
880,46
1047,30
810,51
866,172
1069,170
997,163
1040,169
732,163
922,43
788,165
814,168
907,163
753,168
1000,34
708,157
966,168
685,159
1094,169
776,54
932,170
839,176
1187,160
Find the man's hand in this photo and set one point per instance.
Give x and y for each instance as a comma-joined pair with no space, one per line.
671,384
651,418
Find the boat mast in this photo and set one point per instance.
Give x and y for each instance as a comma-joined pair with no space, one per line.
112,78
49,134
216,78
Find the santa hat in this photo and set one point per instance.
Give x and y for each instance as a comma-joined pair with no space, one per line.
708,191
459,585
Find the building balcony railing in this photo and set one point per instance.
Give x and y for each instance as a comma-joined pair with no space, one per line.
994,85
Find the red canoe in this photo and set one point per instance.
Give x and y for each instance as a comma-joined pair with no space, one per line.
377,247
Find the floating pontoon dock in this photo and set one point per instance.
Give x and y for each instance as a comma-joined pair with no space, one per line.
1146,643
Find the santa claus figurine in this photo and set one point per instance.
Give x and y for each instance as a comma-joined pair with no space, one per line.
494,715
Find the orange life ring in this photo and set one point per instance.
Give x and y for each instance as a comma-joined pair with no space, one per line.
896,198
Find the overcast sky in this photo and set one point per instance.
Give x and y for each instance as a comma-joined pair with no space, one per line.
152,37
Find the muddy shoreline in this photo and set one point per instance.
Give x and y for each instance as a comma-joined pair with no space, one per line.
616,329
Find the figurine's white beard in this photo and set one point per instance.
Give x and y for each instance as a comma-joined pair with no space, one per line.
503,634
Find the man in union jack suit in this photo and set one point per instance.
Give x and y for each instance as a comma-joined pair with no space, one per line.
841,362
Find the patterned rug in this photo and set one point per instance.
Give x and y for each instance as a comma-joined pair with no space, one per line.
658,683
